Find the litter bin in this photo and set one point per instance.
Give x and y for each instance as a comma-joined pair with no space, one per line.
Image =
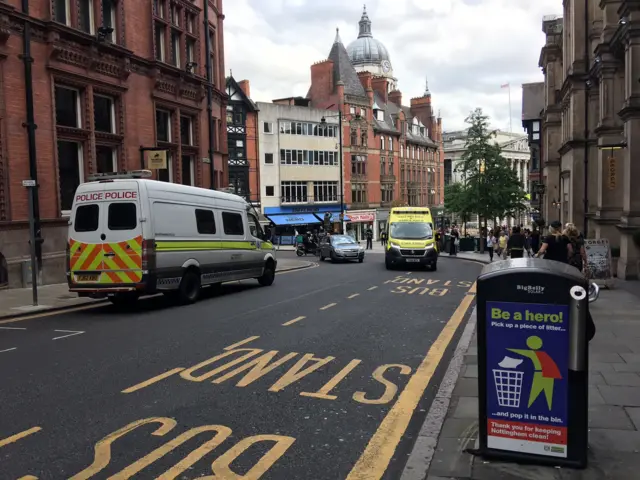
533,362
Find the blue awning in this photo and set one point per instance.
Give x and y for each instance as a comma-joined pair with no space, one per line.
294,219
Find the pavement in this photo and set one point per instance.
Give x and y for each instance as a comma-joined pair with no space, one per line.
19,301
614,404
327,374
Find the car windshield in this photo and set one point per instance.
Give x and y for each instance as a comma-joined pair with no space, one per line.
411,231
342,240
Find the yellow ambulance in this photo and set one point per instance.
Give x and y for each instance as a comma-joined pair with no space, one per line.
412,239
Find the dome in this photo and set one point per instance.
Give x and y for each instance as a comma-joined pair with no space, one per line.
366,50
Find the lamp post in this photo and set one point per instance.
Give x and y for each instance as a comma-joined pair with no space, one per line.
323,122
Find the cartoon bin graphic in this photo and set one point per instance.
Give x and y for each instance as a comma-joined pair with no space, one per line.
508,382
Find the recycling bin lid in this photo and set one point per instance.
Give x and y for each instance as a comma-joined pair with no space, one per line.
519,266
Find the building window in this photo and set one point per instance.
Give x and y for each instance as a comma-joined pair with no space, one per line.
358,165
352,110
62,11
85,16
191,50
70,171
354,137
382,143
390,144
186,130
267,127
106,159
188,173
359,193
269,191
166,174
161,32
383,166
294,192
104,115
325,191
159,7
109,15
68,107
212,48
163,126
191,23
175,13
268,158
387,193
175,48
308,157
390,165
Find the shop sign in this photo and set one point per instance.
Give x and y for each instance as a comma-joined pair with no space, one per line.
362,217
612,169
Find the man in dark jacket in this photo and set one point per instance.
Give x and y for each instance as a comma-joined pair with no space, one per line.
516,243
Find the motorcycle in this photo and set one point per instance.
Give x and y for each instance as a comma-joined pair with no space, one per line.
303,250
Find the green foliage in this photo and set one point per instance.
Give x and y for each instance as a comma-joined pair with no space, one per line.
492,188
459,200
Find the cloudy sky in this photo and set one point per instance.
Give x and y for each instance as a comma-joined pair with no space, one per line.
466,48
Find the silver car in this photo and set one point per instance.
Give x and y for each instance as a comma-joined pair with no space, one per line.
340,248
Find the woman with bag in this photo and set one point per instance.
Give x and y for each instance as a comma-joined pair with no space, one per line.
491,242
579,257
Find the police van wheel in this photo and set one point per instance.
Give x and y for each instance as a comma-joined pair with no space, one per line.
268,276
434,267
387,264
189,287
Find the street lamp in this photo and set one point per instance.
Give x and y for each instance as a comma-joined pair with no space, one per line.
323,123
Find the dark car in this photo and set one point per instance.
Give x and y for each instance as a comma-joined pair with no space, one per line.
340,248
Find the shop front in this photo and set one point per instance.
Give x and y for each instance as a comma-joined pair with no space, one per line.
289,221
358,222
382,218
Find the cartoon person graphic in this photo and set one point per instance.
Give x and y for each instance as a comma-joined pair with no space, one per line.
546,370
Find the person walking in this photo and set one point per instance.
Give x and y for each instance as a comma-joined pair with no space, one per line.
516,243
454,239
556,246
491,243
369,236
502,245
578,258
383,238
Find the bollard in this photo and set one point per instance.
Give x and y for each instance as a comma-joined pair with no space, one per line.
533,363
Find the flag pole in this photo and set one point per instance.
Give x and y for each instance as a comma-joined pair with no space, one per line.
510,115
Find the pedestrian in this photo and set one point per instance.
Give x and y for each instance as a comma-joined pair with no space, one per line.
578,258
502,245
383,238
454,239
491,242
369,237
535,241
516,243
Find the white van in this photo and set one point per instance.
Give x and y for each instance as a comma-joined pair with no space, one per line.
131,236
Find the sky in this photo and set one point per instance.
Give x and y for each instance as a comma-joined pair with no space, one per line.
466,49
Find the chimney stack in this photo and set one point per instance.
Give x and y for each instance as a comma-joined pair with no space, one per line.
245,87
396,97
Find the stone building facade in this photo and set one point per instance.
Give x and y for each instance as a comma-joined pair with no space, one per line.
591,65
109,77
392,152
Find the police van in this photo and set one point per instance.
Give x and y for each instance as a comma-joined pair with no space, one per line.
131,236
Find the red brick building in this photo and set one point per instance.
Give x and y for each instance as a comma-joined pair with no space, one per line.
109,77
392,152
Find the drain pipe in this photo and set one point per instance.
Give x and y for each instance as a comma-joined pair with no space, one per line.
209,68
31,127
587,44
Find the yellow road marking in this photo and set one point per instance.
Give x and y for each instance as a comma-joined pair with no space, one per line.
353,296
19,436
375,459
328,306
151,381
291,322
28,477
242,342
371,288
473,288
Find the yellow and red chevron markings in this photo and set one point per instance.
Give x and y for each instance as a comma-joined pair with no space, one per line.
118,262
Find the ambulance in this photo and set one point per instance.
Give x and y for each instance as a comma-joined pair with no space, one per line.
411,238
131,236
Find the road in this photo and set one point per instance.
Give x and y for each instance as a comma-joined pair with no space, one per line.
328,374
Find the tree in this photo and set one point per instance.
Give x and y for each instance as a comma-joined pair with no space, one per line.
458,199
497,191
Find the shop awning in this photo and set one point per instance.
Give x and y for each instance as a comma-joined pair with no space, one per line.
293,219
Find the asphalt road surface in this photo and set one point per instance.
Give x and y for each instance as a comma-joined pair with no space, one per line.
328,374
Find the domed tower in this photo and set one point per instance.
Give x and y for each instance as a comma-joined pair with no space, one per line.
369,55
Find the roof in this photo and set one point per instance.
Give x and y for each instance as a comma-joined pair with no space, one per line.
532,100
343,70
388,125
234,87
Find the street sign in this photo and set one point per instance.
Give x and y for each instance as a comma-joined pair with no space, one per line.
28,183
